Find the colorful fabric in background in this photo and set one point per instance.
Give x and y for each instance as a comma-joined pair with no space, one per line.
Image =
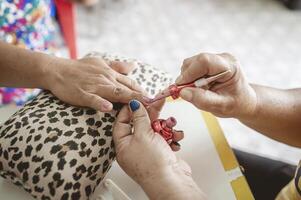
17,95
29,24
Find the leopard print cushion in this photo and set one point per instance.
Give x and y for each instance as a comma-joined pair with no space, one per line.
58,151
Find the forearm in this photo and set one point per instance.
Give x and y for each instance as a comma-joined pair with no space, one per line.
277,114
22,68
175,186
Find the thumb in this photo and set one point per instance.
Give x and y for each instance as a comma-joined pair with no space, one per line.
140,117
155,108
204,99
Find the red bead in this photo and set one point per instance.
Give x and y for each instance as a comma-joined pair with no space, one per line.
174,91
164,127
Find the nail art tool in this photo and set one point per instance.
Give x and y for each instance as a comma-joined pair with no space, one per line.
165,127
174,90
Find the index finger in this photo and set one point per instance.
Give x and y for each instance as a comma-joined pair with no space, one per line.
155,108
116,92
204,64
130,83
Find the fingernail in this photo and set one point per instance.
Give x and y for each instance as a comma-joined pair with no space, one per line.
186,94
171,122
134,105
179,79
176,143
179,131
107,105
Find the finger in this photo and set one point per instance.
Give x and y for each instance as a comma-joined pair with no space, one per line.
155,108
94,60
190,69
122,67
205,64
130,83
177,136
96,102
122,127
140,117
175,146
117,93
204,99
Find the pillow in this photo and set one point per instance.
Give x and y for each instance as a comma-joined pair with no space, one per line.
58,151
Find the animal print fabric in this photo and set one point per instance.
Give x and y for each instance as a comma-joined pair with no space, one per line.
58,151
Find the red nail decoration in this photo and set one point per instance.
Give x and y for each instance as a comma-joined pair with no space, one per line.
164,127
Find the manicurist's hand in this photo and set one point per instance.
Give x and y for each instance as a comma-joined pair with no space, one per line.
147,158
91,82
230,96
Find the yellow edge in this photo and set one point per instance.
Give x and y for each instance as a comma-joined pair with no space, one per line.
240,186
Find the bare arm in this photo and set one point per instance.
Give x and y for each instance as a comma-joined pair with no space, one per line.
87,82
147,158
22,68
277,114
273,112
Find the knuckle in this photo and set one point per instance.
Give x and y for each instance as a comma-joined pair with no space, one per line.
139,118
118,91
186,62
133,83
231,60
102,76
111,76
204,58
227,55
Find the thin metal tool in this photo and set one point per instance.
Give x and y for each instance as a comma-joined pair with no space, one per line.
174,90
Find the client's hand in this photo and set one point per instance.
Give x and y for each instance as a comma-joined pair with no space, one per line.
91,82
146,157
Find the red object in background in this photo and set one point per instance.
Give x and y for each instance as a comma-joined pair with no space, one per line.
66,15
164,127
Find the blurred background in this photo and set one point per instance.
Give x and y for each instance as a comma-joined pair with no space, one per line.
263,34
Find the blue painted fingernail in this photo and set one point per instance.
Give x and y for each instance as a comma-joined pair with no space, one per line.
134,105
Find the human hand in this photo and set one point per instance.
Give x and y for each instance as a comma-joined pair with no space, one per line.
91,82
144,146
146,157
230,96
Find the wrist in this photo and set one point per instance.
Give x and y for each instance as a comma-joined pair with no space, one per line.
51,72
46,68
250,109
171,183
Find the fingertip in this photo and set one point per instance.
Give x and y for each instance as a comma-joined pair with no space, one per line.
177,136
106,106
175,146
134,105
